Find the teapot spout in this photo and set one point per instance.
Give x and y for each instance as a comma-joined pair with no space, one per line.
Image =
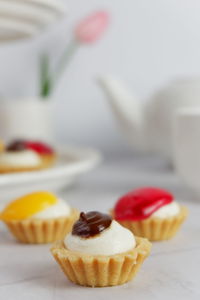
127,110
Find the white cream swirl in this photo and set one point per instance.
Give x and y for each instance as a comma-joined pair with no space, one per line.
113,240
60,209
167,211
16,159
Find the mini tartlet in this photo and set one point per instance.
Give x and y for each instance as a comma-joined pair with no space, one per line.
25,155
99,252
150,212
39,218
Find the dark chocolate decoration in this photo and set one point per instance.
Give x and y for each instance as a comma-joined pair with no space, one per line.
91,224
17,145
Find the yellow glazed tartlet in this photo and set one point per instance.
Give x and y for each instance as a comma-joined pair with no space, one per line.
150,212
38,218
99,252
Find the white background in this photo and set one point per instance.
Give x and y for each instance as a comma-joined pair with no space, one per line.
147,44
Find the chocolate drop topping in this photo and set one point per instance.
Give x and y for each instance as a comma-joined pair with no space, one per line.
91,224
17,145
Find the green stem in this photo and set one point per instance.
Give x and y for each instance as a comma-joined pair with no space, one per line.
48,80
65,59
45,81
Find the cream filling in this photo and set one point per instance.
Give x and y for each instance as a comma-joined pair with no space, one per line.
15,159
60,209
167,211
113,240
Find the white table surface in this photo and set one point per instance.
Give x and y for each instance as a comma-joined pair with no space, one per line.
171,271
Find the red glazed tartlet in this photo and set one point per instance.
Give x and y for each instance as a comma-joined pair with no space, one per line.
150,212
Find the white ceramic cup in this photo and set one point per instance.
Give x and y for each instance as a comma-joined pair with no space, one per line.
187,146
26,118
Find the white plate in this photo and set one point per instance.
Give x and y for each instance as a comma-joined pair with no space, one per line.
25,18
55,5
72,161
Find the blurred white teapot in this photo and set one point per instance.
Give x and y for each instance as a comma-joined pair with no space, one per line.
149,126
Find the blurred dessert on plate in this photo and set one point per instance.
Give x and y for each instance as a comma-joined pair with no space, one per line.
26,155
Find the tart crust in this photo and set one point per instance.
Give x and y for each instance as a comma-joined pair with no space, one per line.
5,170
48,160
38,231
101,270
156,229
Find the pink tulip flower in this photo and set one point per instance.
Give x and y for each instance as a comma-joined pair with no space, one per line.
92,27
87,31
